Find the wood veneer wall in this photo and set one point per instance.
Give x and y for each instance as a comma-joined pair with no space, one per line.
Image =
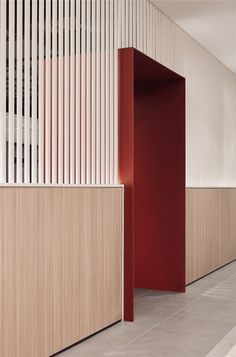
210,230
60,266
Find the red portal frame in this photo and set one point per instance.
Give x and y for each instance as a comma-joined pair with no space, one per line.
152,168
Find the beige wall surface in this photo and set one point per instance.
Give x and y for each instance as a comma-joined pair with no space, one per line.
210,230
60,266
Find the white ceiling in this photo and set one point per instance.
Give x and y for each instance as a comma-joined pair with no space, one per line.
211,23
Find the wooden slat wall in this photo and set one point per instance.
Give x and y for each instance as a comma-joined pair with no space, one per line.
60,266
210,230
70,126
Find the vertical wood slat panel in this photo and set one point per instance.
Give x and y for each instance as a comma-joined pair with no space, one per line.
83,92
34,94
210,230
3,135
98,93
26,94
48,102
93,93
107,91
72,92
123,23
54,60
78,91
41,67
127,33
117,39
134,18
103,93
66,94
88,92
48,301
11,94
111,91
130,21
60,95
19,108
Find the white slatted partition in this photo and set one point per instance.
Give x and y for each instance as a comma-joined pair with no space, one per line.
98,93
27,93
3,131
11,94
78,93
48,83
88,93
34,97
93,93
41,98
54,94
72,92
19,111
103,94
59,92
66,93
83,92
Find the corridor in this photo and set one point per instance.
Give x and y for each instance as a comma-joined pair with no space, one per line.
199,323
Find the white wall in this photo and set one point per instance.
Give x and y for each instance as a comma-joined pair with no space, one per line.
79,141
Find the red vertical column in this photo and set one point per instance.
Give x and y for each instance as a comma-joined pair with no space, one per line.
126,170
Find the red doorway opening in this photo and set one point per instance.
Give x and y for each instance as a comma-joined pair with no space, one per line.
152,168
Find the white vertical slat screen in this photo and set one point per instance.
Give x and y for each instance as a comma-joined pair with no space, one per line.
78,92
83,91
88,92
107,90
93,93
19,66
54,65
102,93
41,99
27,93
34,97
48,102
98,93
72,92
66,92
60,94
59,91
11,92
3,73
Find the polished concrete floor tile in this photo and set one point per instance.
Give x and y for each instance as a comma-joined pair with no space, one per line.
212,309
226,346
198,323
158,343
195,326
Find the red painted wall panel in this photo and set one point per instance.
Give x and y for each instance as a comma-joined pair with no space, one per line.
159,186
152,167
126,171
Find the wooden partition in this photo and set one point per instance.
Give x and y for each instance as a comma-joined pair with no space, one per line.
210,230
60,266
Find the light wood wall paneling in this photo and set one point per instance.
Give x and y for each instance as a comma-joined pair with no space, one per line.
60,266
232,225
210,230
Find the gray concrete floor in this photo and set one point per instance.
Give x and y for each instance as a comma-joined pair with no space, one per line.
199,323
